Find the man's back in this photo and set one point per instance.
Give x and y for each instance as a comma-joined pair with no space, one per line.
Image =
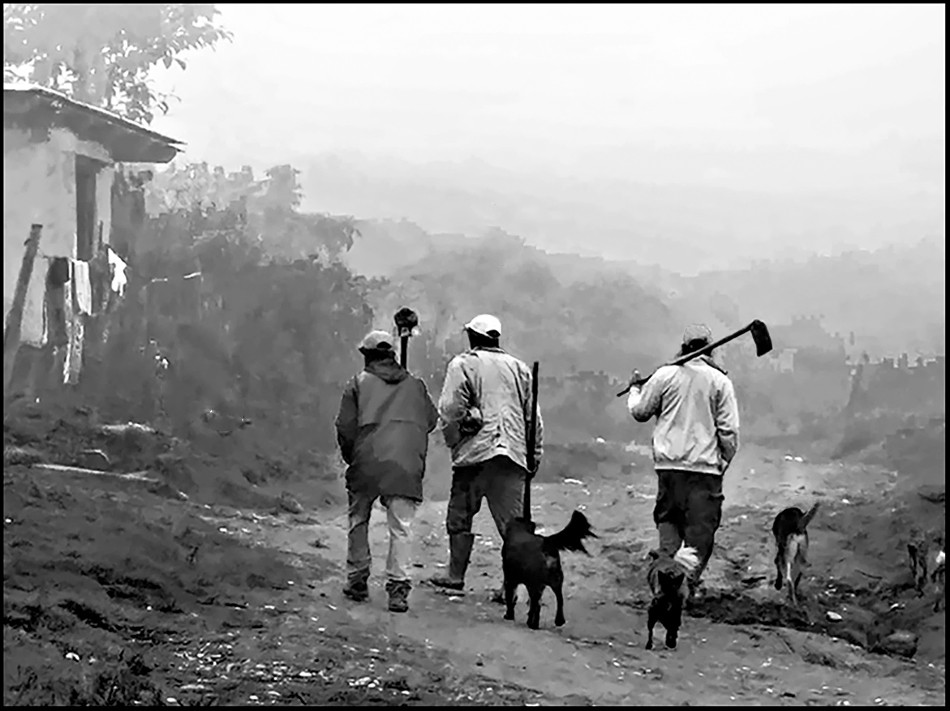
697,426
494,387
383,426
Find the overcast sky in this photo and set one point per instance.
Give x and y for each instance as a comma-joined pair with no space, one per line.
523,83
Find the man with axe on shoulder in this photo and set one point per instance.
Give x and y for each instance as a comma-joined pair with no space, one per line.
485,409
695,438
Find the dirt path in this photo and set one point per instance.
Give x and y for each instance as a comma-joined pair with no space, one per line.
598,656
113,595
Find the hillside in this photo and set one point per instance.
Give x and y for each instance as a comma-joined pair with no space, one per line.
687,227
892,298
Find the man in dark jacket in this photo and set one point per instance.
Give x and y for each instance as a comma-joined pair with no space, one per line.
383,429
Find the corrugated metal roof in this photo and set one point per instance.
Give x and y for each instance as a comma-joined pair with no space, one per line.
126,140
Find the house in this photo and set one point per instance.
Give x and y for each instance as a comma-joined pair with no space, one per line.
59,158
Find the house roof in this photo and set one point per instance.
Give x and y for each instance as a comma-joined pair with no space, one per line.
126,141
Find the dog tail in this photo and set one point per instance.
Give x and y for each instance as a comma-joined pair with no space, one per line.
571,538
806,519
687,558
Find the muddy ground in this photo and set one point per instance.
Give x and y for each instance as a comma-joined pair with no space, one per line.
207,589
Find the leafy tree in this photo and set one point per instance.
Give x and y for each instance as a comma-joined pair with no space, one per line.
269,204
102,54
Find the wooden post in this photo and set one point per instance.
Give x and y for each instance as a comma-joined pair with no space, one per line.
12,328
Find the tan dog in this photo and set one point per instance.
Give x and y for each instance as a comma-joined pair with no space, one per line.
791,541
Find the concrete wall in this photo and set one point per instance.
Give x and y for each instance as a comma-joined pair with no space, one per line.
39,186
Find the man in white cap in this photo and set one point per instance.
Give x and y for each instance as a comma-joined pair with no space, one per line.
695,438
383,429
485,408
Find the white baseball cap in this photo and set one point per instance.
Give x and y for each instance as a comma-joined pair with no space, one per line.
486,325
376,341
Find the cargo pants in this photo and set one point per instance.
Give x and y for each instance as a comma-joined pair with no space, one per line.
499,479
400,512
688,510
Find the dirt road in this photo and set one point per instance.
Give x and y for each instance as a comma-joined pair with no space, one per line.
292,638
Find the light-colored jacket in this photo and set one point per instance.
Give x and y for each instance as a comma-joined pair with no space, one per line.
492,388
697,416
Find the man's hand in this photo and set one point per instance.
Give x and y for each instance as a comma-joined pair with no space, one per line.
634,380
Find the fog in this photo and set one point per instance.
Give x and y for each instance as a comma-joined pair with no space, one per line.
775,98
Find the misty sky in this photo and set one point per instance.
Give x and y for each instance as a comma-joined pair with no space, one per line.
549,82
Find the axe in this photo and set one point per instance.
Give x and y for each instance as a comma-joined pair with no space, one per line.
407,321
760,335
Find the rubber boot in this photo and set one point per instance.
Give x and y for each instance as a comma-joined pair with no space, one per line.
398,595
460,550
357,590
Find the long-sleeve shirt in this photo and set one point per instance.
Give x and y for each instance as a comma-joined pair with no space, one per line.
490,387
697,416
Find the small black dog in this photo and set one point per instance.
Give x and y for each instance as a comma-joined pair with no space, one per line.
668,578
790,529
535,562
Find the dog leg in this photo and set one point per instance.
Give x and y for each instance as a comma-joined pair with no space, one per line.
534,608
653,616
779,565
510,599
794,588
674,620
559,615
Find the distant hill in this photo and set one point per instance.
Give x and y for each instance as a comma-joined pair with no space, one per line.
891,299
684,228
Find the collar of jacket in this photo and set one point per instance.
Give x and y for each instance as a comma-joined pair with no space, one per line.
490,349
709,361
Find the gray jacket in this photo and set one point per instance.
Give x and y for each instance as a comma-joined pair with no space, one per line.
485,408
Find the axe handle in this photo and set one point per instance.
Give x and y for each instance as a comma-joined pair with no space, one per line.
689,356
403,350
531,440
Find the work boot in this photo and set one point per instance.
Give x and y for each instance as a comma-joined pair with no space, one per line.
460,550
356,590
398,595
697,592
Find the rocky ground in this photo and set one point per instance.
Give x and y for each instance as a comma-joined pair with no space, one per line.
130,592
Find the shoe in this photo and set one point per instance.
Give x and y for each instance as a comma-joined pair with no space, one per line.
398,595
357,592
460,550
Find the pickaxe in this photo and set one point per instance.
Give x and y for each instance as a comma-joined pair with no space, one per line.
407,321
760,335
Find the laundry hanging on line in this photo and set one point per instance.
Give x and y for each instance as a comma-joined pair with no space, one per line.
82,286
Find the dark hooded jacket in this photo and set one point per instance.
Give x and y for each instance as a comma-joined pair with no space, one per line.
383,429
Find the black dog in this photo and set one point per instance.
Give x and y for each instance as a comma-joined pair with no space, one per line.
668,578
535,562
790,529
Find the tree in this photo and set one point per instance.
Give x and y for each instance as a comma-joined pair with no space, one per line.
270,204
102,54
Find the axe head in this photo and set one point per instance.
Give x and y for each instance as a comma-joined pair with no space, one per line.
761,337
406,320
